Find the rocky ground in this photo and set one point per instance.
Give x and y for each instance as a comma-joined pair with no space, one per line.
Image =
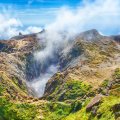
86,87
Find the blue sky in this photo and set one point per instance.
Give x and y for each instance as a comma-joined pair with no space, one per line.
81,15
36,12
41,3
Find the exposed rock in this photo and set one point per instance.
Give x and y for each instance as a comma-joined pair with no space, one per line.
90,35
95,101
89,60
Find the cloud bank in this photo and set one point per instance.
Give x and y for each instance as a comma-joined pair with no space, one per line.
10,26
103,15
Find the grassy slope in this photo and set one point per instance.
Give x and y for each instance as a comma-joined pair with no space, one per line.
104,111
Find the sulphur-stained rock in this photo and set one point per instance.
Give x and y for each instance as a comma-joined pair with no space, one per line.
95,101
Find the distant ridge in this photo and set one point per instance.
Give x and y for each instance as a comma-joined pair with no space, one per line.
33,35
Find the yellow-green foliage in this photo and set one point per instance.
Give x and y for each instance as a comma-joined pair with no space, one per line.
71,90
1,90
57,110
10,87
75,89
105,83
19,83
15,111
104,111
103,86
80,115
117,73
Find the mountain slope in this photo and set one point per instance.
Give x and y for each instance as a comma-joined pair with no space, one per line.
89,62
86,87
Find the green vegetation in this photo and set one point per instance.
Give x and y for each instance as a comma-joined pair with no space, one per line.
16,111
103,112
117,73
57,110
11,97
11,88
103,87
75,89
76,105
24,111
105,83
81,114
71,90
1,90
19,83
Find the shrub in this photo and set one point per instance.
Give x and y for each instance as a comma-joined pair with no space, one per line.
75,89
117,73
12,111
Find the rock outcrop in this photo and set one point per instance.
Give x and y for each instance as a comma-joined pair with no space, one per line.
94,102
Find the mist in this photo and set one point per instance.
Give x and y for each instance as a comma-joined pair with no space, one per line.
67,24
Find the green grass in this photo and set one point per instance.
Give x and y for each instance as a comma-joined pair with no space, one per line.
15,111
104,111
1,90
75,89
71,90
57,110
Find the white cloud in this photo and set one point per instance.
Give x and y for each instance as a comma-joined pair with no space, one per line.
38,85
32,29
10,27
103,15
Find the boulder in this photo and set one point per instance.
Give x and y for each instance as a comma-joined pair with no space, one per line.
95,101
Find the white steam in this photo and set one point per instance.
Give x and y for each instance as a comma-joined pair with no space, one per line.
101,15
38,84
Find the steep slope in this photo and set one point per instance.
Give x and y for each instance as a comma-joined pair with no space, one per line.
13,61
17,66
13,88
89,61
89,68
86,87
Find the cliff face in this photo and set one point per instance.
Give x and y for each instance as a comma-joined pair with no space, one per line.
86,86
